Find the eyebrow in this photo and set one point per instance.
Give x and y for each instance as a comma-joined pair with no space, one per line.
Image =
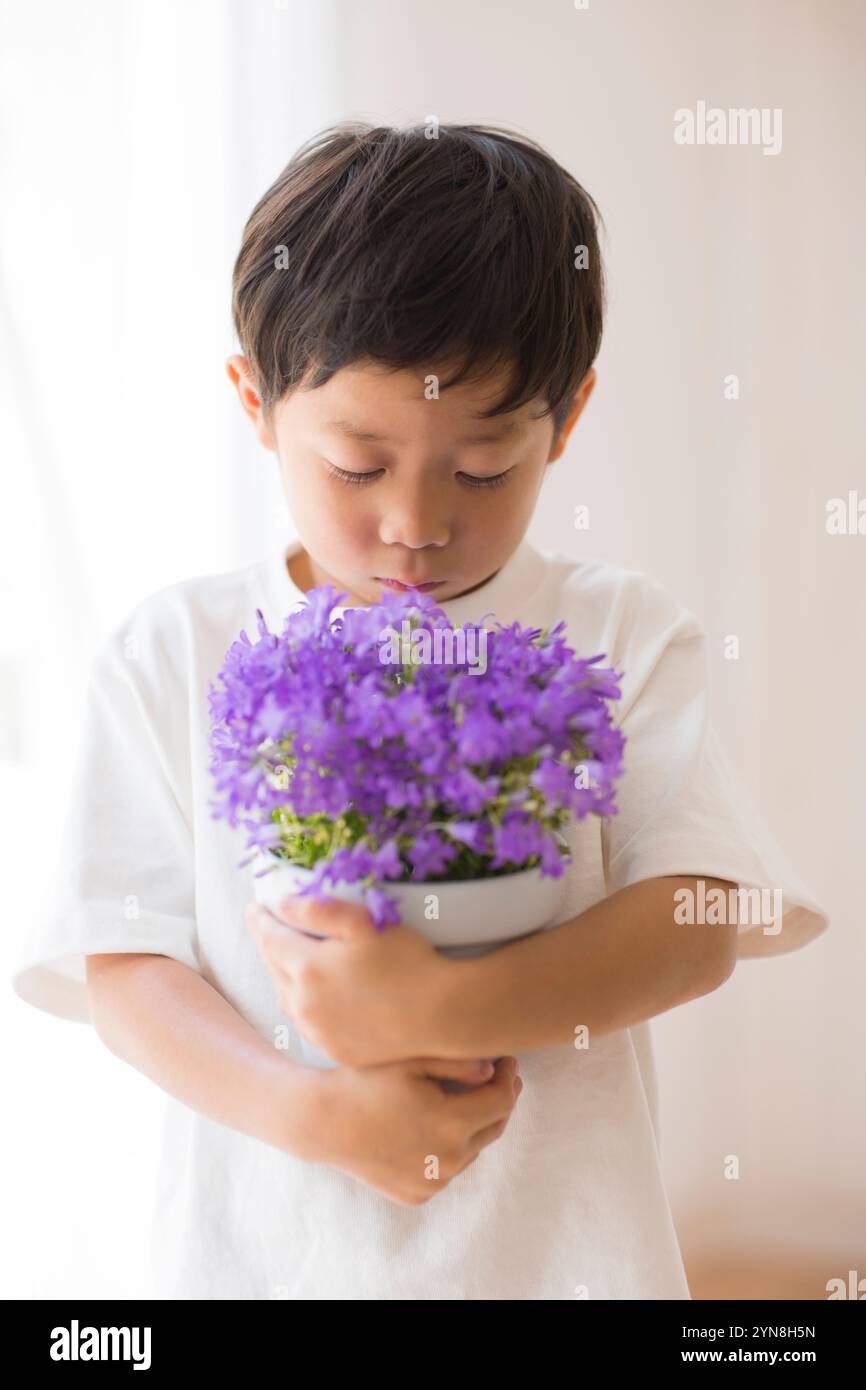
493,435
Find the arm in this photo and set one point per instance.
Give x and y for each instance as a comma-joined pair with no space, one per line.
169,1023
623,961
166,1021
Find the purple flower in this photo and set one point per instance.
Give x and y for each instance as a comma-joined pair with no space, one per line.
368,771
430,855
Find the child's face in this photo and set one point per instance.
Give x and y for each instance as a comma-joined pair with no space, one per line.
416,515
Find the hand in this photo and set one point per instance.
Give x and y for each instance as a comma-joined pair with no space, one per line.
364,997
404,1102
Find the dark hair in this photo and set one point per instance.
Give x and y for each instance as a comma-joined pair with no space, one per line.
408,251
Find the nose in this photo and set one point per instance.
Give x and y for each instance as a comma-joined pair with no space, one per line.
414,524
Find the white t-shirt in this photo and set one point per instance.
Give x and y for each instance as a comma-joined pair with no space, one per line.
571,1196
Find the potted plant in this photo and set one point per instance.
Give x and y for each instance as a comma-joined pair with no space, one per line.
375,757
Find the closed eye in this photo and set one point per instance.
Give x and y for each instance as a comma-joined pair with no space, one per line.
469,479
495,480
357,478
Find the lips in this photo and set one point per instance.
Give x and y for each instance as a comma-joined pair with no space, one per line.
403,586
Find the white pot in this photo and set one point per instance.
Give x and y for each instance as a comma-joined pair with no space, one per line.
474,915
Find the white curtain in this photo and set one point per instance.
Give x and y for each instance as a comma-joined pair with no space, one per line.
136,139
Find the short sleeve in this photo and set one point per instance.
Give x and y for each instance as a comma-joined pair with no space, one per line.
124,878
683,809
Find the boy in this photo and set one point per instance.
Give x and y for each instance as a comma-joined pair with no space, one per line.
419,320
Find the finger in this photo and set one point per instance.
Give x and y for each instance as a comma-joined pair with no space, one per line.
276,938
328,917
470,1071
486,1136
488,1104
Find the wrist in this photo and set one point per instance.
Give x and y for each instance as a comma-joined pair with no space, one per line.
303,1099
326,1110
446,1008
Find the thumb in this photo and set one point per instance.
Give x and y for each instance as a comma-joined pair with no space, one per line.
328,917
475,1069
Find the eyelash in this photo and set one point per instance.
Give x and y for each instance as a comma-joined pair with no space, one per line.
361,479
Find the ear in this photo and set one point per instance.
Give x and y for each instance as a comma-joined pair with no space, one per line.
241,377
581,396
